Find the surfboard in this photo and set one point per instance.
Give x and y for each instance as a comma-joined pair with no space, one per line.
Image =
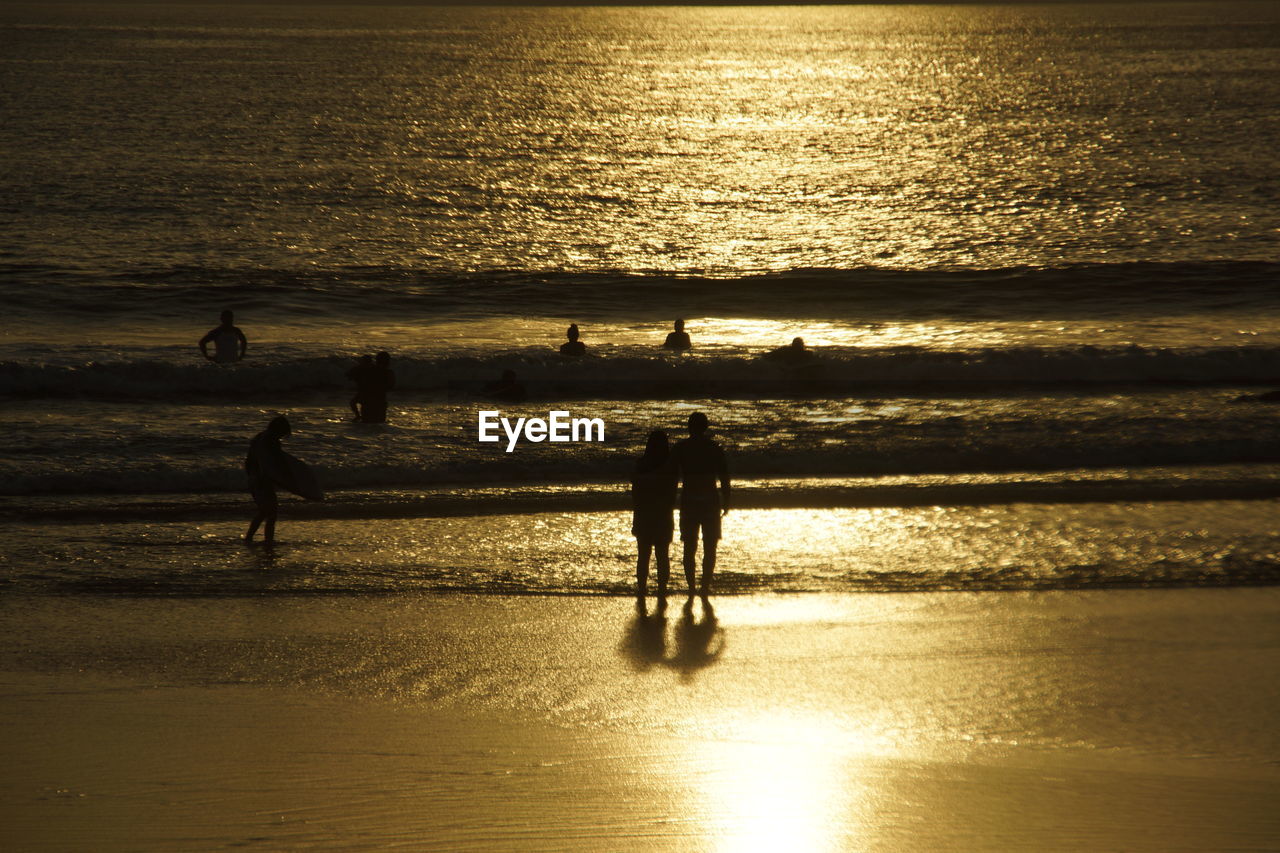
294,475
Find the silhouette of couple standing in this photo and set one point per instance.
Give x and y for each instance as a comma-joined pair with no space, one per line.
697,465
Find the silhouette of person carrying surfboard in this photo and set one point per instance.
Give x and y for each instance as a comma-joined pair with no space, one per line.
229,343
268,466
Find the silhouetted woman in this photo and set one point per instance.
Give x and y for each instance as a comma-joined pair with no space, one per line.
573,346
653,500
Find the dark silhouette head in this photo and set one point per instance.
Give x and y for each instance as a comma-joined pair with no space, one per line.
382,359
658,446
573,332
279,427
698,423
228,318
679,325
797,343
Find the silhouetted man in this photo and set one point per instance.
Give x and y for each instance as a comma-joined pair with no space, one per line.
700,463
229,344
679,339
265,455
573,346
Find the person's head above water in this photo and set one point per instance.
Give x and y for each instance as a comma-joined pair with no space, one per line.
797,343
383,359
279,426
228,318
679,325
658,444
697,423
572,333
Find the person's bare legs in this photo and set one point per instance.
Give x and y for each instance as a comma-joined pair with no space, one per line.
708,564
268,532
690,563
662,552
642,567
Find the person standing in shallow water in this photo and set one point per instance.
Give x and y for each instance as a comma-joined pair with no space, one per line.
573,346
700,463
372,391
678,339
229,343
653,500
359,375
265,453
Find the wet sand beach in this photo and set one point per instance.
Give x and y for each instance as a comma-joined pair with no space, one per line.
1069,720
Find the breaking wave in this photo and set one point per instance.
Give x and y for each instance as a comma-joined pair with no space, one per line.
641,376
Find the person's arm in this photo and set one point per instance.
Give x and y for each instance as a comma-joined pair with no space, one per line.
244,342
204,344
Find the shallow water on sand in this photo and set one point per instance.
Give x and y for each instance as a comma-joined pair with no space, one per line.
1139,719
1020,546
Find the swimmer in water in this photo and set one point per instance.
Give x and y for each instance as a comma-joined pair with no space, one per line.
679,339
229,344
573,346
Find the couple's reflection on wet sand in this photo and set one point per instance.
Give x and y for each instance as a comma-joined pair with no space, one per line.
696,643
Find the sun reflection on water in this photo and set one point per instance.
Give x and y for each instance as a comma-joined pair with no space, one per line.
787,785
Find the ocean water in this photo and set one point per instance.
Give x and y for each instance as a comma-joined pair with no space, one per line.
1033,247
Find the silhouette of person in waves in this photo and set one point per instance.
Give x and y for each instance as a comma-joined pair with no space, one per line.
679,339
507,388
360,375
653,499
795,353
229,343
372,385
265,453
700,463
573,346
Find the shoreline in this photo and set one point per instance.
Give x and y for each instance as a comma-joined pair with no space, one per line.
1118,484
853,550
